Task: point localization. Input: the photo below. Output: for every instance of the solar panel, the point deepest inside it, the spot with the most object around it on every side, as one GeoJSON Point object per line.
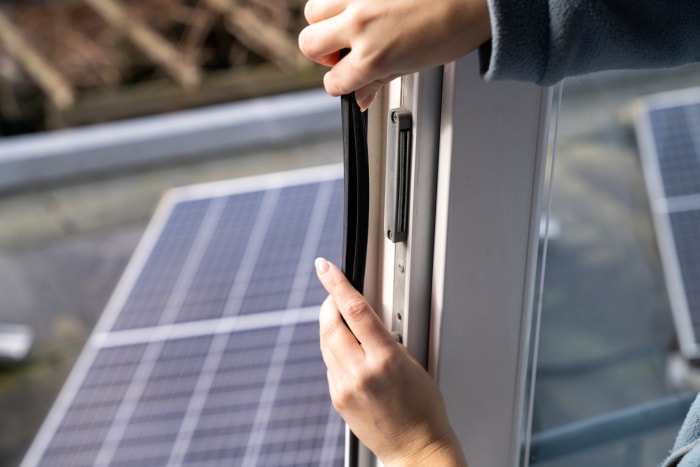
{"type": "Point", "coordinates": [208, 353]}
{"type": "Point", "coordinates": [668, 129]}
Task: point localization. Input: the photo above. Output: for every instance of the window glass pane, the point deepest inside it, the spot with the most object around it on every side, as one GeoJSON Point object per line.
{"type": "Point", "coordinates": [607, 334]}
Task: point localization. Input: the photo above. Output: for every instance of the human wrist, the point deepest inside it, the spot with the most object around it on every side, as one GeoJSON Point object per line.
{"type": "Point", "coordinates": [446, 455]}
{"type": "Point", "coordinates": [470, 23]}
{"type": "Point", "coordinates": [444, 452]}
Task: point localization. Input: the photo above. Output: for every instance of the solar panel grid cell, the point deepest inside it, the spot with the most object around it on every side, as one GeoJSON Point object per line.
{"type": "Point", "coordinates": [686, 233]}
{"type": "Point", "coordinates": [209, 292]}
{"type": "Point", "coordinates": [153, 427]}
{"type": "Point", "coordinates": [79, 437]}
{"type": "Point", "coordinates": [227, 407]}
{"type": "Point", "coordinates": [678, 159]}
{"type": "Point", "coordinates": [297, 419]}
{"type": "Point", "coordinates": [274, 272]}
{"type": "Point", "coordinates": [184, 377]}
{"type": "Point", "coordinates": [328, 244]}
{"type": "Point", "coordinates": [158, 276]}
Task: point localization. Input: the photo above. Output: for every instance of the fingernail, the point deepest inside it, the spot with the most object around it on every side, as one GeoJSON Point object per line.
{"type": "Point", "coordinates": [321, 265]}
{"type": "Point", "coordinates": [327, 83]}
{"type": "Point", "coordinates": [365, 101]}
{"type": "Point", "coordinates": [308, 9]}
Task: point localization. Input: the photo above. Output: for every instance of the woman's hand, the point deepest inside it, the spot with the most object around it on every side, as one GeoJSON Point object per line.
{"type": "Point", "coordinates": [389, 401]}
{"type": "Point", "coordinates": [388, 38]}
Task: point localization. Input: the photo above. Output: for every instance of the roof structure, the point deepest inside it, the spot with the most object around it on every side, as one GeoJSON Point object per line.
{"type": "Point", "coordinates": [82, 61]}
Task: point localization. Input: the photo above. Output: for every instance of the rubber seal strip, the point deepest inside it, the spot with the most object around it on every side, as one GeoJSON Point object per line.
{"type": "Point", "coordinates": [356, 215]}
{"type": "Point", "coordinates": [356, 209]}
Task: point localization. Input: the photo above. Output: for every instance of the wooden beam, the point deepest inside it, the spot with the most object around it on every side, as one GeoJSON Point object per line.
{"type": "Point", "coordinates": [57, 89]}
{"type": "Point", "coordinates": [260, 36]}
{"type": "Point", "coordinates": [150, 42]}
{"type": "Point", "coordinates": [158, 96]}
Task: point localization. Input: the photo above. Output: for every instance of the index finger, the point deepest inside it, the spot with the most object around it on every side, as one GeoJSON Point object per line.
{"type": "Point", "coordinates": [358, 314]}
{"type": "Point", "coordinates": [318, 10]}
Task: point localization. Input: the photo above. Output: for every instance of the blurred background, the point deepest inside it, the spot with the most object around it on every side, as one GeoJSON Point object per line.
{"type": "Point", "coordinates": [84, 83]}
{"type": "Point", "coordinates": [68, 63]}
{"type": "Point", "coordinates": [94, 102]}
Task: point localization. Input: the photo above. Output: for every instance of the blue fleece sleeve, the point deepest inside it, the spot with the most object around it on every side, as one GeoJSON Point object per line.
{"type": "Point", "coordinates": [544, 41]}
{"type": "Point", "coordinates": [686, 451]}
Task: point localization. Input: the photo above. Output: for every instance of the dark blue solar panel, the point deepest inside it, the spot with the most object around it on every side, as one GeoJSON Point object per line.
{"type": "Point", "coordinates": [328, 246]}
{"type": "Point", "coordinates": [212, 284]}
{"type": "Point", "coordinates": [686, 234]}
{"type": "Point", "coordinates": [157, 279]}
{"type": "Point", "coordinates": [226, 424]}
{"type": "Point", "coordinates": [675, 152]}
{"type": "Point", "coordinates": [299, 414]}
{"type": "Point", "coordinates": [81, 433]}
{"type": "Point", "coordinates": [187, 391]}
{"type": "Point", "coordinates": [277, 264]}
{"type": "Point", "coordinates": [678, 156]}
{"type": "Point", "coordinates": [153, 427]}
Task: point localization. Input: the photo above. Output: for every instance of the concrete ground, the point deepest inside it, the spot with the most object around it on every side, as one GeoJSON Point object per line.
{"type": "Point", "coordinates": [606, 326]}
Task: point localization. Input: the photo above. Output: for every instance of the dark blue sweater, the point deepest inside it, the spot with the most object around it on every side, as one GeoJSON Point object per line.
{"type": "Point", "coordinates": [544, 41]}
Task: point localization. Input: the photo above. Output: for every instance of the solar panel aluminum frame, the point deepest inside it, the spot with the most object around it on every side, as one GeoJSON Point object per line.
{"type": "Point", "coordinates": [138, 260]}
{"type": "Point", "coordinates": [661, 207]}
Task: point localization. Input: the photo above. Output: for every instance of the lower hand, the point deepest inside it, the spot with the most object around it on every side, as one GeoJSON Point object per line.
{"type": "Point", "coordinates": [389, 401]}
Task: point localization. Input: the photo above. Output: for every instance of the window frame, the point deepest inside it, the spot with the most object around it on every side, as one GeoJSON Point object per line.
{"type": "Point", "coordinates": [474, 227]}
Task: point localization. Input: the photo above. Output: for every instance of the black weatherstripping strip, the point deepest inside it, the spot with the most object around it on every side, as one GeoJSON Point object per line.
{"type": "Point", "coordinates": [356, 219]}
{"type": "Point", "coordinates": [356, 215]}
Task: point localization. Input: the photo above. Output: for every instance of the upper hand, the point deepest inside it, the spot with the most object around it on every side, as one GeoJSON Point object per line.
{"type": "Point", "coordinates": [389, 401]}
{"type": "Point", "coordinates": [388, 38]}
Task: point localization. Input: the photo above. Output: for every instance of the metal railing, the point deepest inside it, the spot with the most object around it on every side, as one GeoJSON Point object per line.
{"type": "Point", "coordinates": [620, 426]}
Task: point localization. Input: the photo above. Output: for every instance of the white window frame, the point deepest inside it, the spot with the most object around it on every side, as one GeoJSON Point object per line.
{"type": "Point", "coordinates": [473, 241]}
